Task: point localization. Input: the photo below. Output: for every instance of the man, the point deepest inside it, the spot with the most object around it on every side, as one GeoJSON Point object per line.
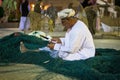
{"type": "Point", "coordinates": [78, 42]}
{"type": "Point", "coordinates": [24, 20]}
{"type": "Point", "coordinates": [76, 45]}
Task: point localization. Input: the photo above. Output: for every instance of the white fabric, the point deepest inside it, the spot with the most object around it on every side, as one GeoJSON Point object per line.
{"type": "Point", "coordinates": [77, 44]}
{"type": "Point", "coordinates": [100, 2]}
{"type": "Point", "coordinates": [106, 28]}
{"type": "Point", "coordinates": [39, 34]}
{"type": "Point", "coordinates": [66, 13]}
{"type": "Point", "coordinates": [24, 23]}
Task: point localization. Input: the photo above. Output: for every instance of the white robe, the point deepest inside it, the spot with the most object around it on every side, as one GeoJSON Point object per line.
{"type": "Point", "coordinates": [77, 45]}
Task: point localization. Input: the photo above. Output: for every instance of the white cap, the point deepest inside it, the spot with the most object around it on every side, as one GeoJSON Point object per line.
{"type": "Point", "coordinates": [66, 13]}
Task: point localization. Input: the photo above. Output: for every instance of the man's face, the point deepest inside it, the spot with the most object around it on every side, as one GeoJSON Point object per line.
{"type": "Point", "coordinates": [66, 24]}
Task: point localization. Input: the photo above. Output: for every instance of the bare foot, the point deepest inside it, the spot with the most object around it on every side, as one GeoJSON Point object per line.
{"type": "Point", "coordinates": [23, 49]}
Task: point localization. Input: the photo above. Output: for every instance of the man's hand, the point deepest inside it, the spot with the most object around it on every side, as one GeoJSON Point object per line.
{"type": "Point", "coordinates": [53, 42]}
{"type": "Point", "coordinates": [57, 40]}
{"type": "Point", "coordinates": [51, 45]}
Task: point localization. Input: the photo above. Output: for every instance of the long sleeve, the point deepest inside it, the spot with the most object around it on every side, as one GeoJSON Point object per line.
{"type": "Point", "coordinates": [77, 44]}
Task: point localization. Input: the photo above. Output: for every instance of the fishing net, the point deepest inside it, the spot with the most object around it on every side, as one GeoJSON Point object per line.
{"type": "Point", "coordinates": [104, 66]}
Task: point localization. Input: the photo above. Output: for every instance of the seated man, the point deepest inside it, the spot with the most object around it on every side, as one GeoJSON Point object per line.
{"type": "Point", "coordinates": [78, 42]}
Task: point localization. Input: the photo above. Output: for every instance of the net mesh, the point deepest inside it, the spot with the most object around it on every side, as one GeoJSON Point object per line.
{"type": "Point", "coordinates": [104, 66]}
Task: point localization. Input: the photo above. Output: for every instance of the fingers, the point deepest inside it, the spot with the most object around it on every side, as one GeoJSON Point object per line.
{"type": "Point", "coordinates": [56, 40]}
{"type": "Point", "coordinates": [51, 45]}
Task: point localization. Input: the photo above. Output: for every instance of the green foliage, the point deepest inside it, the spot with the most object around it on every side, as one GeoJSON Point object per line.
{"type": "Point", "coordinates": [9, 7]}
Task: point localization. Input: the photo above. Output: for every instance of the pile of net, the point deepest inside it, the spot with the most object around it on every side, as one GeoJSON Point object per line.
{"type": "Point", "coordinates": [104, 66]}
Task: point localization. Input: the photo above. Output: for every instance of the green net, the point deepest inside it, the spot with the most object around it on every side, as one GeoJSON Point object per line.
{"type": "Point", "coordinates": [104, 66]}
